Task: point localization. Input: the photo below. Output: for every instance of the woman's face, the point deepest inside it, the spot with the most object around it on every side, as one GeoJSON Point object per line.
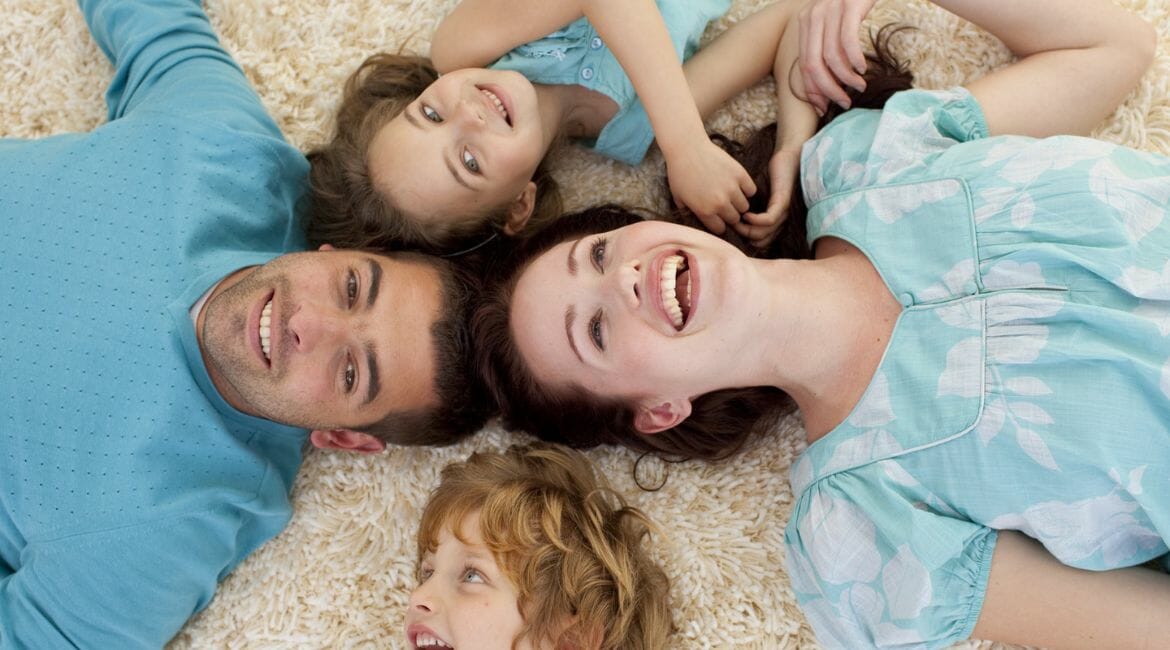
{"type": "Point", "coordinates": [645, 314]}
{"type": "Point", "coordinates": [468, 145]}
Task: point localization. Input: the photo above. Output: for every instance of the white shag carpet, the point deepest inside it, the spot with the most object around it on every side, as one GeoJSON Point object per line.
{"type": "Point", "coordinates": [339, 576]}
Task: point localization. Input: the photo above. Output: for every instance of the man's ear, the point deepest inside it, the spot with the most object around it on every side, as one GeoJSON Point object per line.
{"type": "Point", "coordinates": [363, 443]}
{"type": "Point", "coordinates": [660, 416]}
{"type": "Point", "coordinates": [520, 210]}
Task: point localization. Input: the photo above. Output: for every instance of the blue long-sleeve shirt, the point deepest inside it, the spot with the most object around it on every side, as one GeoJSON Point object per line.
{"type": "Point", "coordinates": [128, 487]}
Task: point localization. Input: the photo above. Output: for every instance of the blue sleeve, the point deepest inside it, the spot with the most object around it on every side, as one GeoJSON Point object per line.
{"type": "Point", "coordinates": [872, 569]}
{"type": "Point", "coordinates": [899, 143]}
{"type": "Point", "coordinates": [167, 58]}
{"type": "Point", "coordinates": [128, 588]}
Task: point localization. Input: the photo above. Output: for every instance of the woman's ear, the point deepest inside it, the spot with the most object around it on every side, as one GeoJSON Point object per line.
{"type": "Point", "coordinates": [660, 416]}
{"type": "Point", "coordinates": [520, 210]}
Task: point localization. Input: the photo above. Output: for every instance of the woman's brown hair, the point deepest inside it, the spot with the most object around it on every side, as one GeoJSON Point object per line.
{"type": "Point", "coordinates": [565, 539]}
{"type": "Point", "coordinates": [347, 210]}
{"type": "Point", "coordinates": [720, 421]}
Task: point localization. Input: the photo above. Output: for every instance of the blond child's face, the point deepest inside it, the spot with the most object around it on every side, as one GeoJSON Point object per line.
{"type": "Point", "coordinates": [463, 600]}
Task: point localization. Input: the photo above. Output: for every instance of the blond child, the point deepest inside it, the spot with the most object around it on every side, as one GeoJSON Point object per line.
{"type": "Point", "coordinates": [530, 548]}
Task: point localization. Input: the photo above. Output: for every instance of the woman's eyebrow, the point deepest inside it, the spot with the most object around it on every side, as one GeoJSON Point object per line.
{"type": "Point", "coordinates": [572, 261]}
{"type": "Point", "coordinates": [570, 315]}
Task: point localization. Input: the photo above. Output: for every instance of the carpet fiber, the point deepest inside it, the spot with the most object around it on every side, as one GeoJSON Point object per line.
{"type": "Point", "coordinates": [339, 576]}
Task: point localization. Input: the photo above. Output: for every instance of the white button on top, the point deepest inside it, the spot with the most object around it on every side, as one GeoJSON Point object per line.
{"type": "Point", "coordinates": [595, 43]}
{"type": "Point", "coordinates": [587, 74]}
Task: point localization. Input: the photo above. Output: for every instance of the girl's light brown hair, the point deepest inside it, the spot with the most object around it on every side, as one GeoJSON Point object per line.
{"type": "Point", "coordinates": [565, 539]}
{"type": "Point", "coordinates": [348, 211]}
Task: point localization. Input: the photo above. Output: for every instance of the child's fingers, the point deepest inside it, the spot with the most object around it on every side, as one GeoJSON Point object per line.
{"type": "Point", "coordinates": [740, 204]}
{"type": "Point", "coordinates": [759, 236]}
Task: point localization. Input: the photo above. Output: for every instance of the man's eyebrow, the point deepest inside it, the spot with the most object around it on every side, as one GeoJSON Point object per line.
{"type": "Point", "coordinates": [375, 283]}
{"type": "Point", "coordinates": [571, 314]}
{"type": "Point", "coordinates": [572, 262]}
{"type": "Point", "coordinates": [375, 381]}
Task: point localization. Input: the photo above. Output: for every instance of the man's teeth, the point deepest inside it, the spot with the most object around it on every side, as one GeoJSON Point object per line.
{"type": "Point", "coordinates": [496, 100]}
{"type": "Point", "coordinates": [266, 330]}
{"type": "Point", "coordinates": [670, 303]}
{"type": "Point", "coordinates": [425, 640]}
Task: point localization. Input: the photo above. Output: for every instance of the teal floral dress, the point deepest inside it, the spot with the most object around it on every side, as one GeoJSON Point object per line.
{"type": "Point", "coordinates": [1026, 385]}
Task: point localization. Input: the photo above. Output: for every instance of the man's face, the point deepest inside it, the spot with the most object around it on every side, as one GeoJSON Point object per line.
{"type": "Point", "coordinates": [325, 339]}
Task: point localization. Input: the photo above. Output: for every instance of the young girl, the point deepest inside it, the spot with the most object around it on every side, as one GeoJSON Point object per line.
{"type": "Point", "coordinates": [530, 548]}
{"type": "Point", "coordinates": [444, 163]}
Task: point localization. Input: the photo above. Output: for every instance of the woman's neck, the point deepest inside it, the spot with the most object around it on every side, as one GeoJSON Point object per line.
{"type": "Point", "coordinates": [573, 111]}
{"type": "Point", "coordinates": [832, 318]}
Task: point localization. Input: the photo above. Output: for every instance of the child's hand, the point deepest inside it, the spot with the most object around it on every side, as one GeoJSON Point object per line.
{"type": "Point", "coordinates": [760, 228]}
{"type": "Point", "coordinates": [709, 182]}
{"type": "Point", "coordinates": [830, 50]}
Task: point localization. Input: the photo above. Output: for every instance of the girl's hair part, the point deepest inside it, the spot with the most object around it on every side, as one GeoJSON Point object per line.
{"type": "Point", "coordinates": [570, 544]}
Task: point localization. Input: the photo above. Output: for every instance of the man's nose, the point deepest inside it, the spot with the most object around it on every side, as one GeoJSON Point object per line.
{"type": "Point", "coordinates": [312, 326]}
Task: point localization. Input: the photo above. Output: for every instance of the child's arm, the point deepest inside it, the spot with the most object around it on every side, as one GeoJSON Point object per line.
{"type": "Point", "coordinates": [1033, 599]}
{"type": "Point", "coordinates": [767, 42]}
{"type": "Point", "coordinates": [1078, 59]}
{"type": "Point", "coordinates": [702, 176]}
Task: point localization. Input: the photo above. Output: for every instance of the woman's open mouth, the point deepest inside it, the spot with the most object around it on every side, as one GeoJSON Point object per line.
{"type": "Point", "coordinates": [675, 289]}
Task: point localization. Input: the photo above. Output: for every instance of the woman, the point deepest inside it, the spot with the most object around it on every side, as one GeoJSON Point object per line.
{"type": "Point", "coordinates": [980, 314]}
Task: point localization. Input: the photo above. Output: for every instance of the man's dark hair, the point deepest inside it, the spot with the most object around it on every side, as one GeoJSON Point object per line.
{"type": "Point", "coordinates": [463, 402]}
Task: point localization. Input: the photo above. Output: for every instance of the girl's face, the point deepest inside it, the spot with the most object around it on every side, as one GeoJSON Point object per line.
{"type": "Point", "coordinates": [646, 314]}
{"type": "Point", "coordinates": [467, 146]}
{"type": "Point", "coordinates": [463, 600]}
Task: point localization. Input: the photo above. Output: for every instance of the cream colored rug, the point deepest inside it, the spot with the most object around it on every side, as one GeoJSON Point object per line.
{"type": "Point", "coordinates": [339, 576]}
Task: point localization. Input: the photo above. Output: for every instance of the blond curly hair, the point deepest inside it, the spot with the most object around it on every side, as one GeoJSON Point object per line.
{"type": "Point", "coordinates": [570, 544]}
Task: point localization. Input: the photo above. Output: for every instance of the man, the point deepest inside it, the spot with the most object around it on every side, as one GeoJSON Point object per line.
{"type": "Point", "coordinates": [153, 332]}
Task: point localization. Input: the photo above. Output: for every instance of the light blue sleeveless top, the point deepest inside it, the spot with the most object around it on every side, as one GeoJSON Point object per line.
{"type": "Point", "coordinates": [577, 55]}
{"type": "Point", "coordinates": [1026, 385]}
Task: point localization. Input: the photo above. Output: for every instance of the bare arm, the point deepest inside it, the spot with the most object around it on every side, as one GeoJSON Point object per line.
{"type": "Point", "coordinates": [478, 32]}
{"type": "Point", "coordinates": [1078, 59]}
{"type": "Point", "coordinates": [765, 42]}
{"type": "Point", "coordinates": [1035, 600]}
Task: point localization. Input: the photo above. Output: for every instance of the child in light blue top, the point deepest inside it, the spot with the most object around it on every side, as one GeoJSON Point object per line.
{"type": "Point", "coordinates": [441, 163]}
{"type": "Point", "coordinates": [578, 55]}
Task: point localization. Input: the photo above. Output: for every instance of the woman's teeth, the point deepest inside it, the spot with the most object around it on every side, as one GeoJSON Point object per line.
{"type": "Point", "coordinates": [266, 330]}
{"type": "Point", "coordinates": [671, 267]}
{"type": "Point", "coordinates": [495, 100]}
{"type": "Point", "coordinates": [425, 640]}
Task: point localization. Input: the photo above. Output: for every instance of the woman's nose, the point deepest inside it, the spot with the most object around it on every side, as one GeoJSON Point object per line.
{"type": "Point", "coordinates": [628, 283]}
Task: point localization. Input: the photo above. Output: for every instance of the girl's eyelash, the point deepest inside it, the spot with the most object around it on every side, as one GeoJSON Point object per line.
{"type": "Point", "coordinates": [470, 162]}
{"type": "Point", "coordinates": [597, 253]}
